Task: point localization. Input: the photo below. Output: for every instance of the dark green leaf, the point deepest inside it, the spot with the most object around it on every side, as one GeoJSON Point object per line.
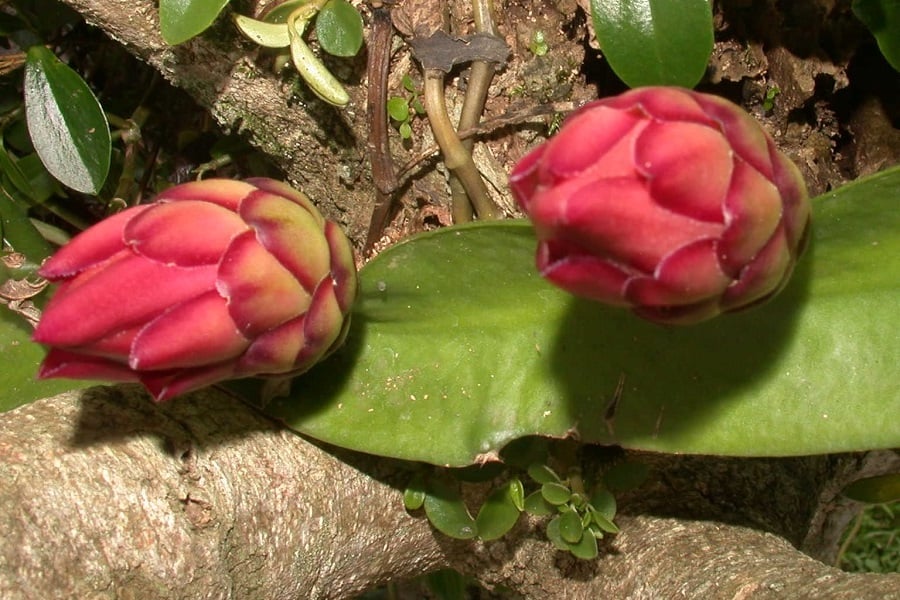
{"type": "Point", "coordinates": [875, 490]}
{"type": "Point", "coordinates": [180, 20]}
{"type": "Point", "coordinates": [458, 346]}
{"type": "Point", "coordinates": [655, 42]}
{"type": "Point", "coordinates": [339, 28]}
{"type": "Point", "coordinates": [447, 512]}
{"type": "Point", "coordinates": [11, 169]}
{"type": "Point", "coordinates": [882, 17]}
{"type": "Point", "coordinates": [66, 123]}
{"type": "Point", "coordinates": [498, 514]}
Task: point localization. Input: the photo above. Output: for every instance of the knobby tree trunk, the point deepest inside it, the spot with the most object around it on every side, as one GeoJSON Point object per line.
{"type": "Point", "coordinates": [104, 494]}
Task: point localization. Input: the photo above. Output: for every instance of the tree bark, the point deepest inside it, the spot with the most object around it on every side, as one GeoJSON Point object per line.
{"type": "Point", "coordinates": [104, 494]}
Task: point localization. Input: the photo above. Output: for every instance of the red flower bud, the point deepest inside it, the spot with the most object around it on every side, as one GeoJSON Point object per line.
{"type": "Point", "coordinates": [214, 280]}
{"type": "Point", "coordinates": [671, 202]}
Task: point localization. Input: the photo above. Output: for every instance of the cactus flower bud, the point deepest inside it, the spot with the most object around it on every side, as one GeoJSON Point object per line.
{"type": "Point", "coordinates": [671, 202]}
{"type": "Point", "coordinates": [214, 280]}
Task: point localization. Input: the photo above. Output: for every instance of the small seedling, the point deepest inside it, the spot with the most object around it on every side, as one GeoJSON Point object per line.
{"type": "Point", "coordinates": [401, 109]}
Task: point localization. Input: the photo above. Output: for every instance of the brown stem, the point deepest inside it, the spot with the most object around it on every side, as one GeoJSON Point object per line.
{"type": "Point", "coordinates": [383, 173]}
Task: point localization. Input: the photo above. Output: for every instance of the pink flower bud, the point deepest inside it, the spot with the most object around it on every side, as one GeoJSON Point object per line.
{"type": "Point", "coordinates": [671, 202]}
{"type": "Point", "coordinates": [214, 280]}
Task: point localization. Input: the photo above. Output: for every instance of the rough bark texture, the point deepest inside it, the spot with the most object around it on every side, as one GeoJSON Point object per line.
{"type": "Point", "coordinates": [104, 494]}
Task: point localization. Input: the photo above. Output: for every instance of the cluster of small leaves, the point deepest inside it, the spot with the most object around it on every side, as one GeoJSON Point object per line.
{"type": "Point", "coordinates": [448, 513]}
{"type": "Point", "coordinates": [769, 99]}
{"type": "Point", "coordinates": [577, 518]}
{"type": "Point", "coordinates": [401, 109]}
{"type": "Point", "coordinates": [338, 25]}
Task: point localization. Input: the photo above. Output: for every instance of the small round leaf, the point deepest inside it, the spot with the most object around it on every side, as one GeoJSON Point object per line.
{"type": "Point", "coordinates": [570, 527]}
{"type": "Point", "coordinates": [447, 512]}
{"type": "Point", "coordinates": [339, 28]}
{"type": "Point", "coordinates": [537, 506]}
{"type": "Point", "coordinates": [604, 503]}
{"type": "Point", "coordinates": [586, 549]}
{"type": "Point", "coordinates": [556, 493]}
{"type": "Point", "coordinates": [542, 473]}
{"type": "Point", "coordinates": [498, 514]}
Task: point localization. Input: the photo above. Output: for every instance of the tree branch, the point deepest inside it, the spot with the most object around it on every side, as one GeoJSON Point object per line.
{"type": "Point", "coordinates": [105, 492]}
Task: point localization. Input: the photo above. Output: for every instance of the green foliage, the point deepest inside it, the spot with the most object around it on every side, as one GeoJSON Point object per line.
{"type": "Point", "coordinates": [458, 346]}
{"type": "Point", "coordinates": [575, 514]}
{"type": "Point", "coordinates": [66, 123]}
{"type": "Point", "coordinates": [655, 42]}
{"type": "Point", "coordinates": [401, 109]}
{"type": "Point", "coordinates": [180, 20]}
{"type": "Point", "coordinates": [872, 543]}
{"type": "Point", "coordinates": [339, 28]}
{"type": "Point", "coordinates": [882, 17]}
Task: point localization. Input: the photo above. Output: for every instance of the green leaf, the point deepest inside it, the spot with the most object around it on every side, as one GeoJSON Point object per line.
{"type": "Point", "coordinates": [537, 506]}
{"type": "Point", "coordinates": [570, 527]}
{"type": "Point", "coordinates": [398, 108]}
{"type": "Point", "coordinates": [66, 123]}
{"type": "Point", "coordinates": [556, 493]}
{"type": "Point", "coordinates": [339, 28]}
{"type": "Point", "coordinates": [655, 42]}
{"type": "Point", "coordinates": [447, 512]}
{"type": "Point", "coordinates": [414, 494]}
{"type": "Point", "coordinates": [21, 358]}
{"type": "Point", "coordinates": [586, 548]}
{"type": "Point", "coordinates": [541, 473]}
{"type": "Point", "coordinates": [20, 233]}
{"type": "Point", "coordinates": [12, 170]}
{"type": "Point", "coordinates": [875, 490]}
{"type": "Point", "coordinates": [604, 503]}
{"type": "Point", "coordinates": [882, 17]}
{"type": "Point", "coordinates": [498, 514]}
{"type": "Point", "coordinates": [270, 35]}
{"type": "Point", "coordinates": [180, 20]}
{"type": "Point", "coordinates": [458, 346]}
